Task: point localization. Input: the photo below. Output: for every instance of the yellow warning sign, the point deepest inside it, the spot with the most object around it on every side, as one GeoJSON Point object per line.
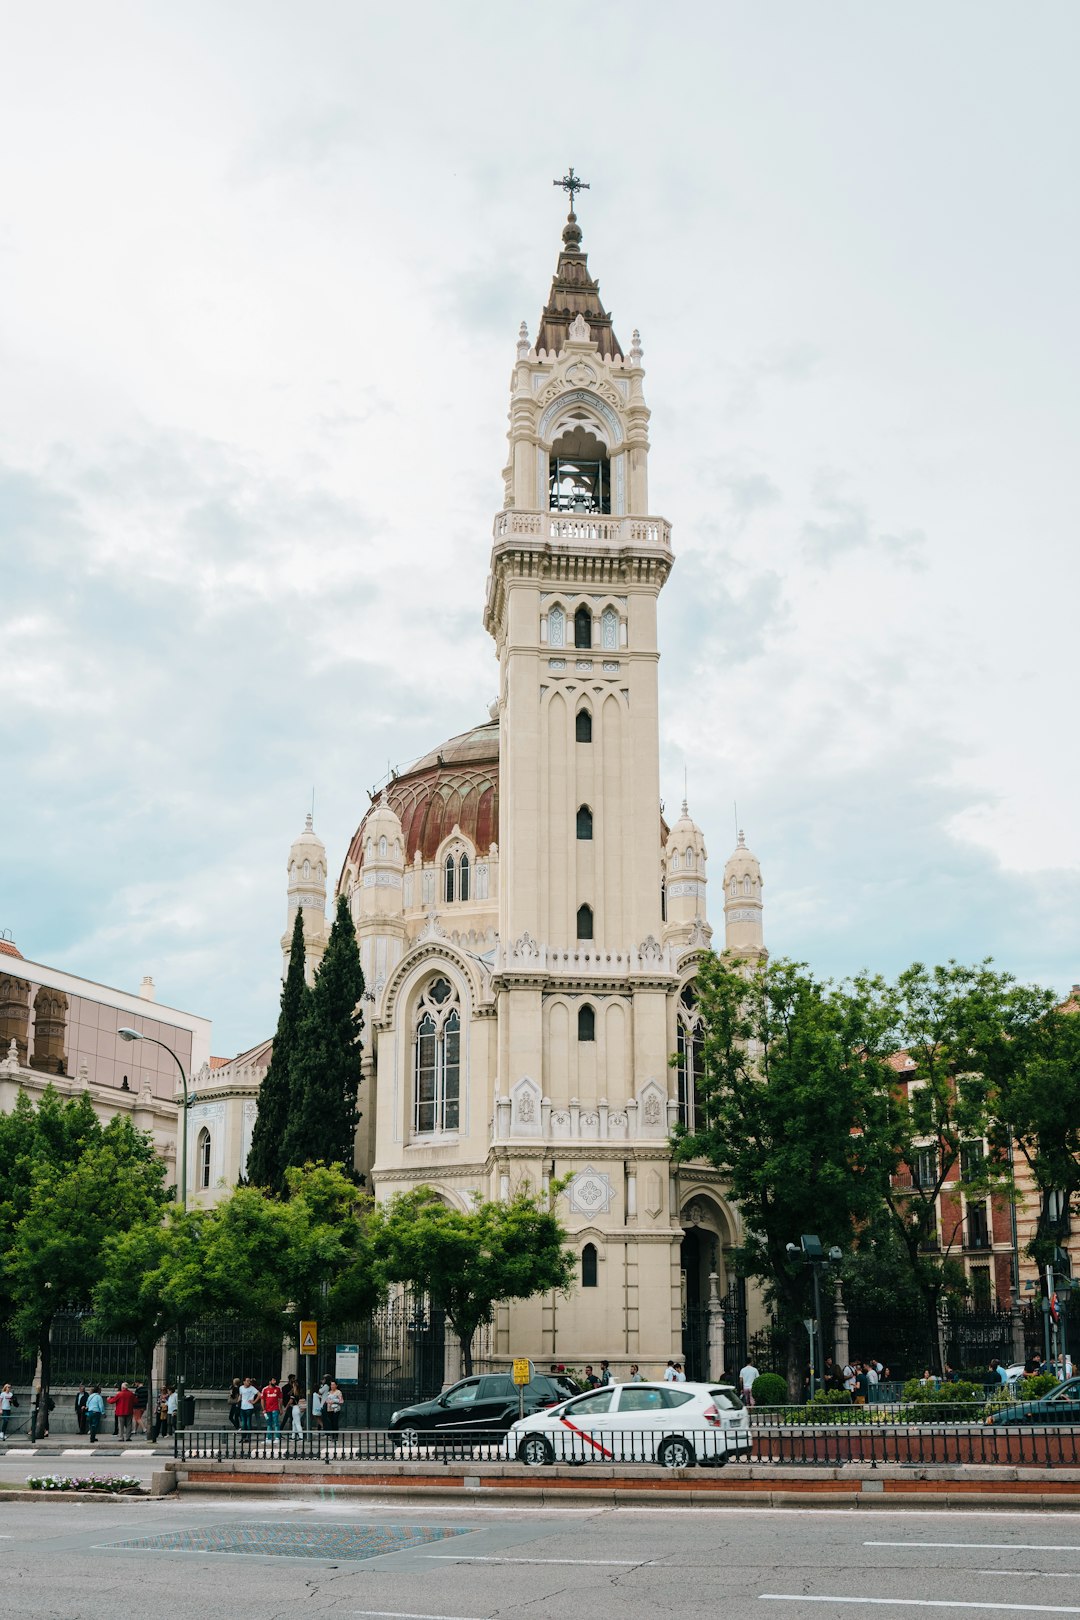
{"type": "Point", "coordinates": [522, 1370]}
{"type": "Point", "coordinates": [309, 1338]}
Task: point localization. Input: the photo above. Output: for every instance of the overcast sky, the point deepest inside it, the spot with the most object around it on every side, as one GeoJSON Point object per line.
{"type": "Point", "coordinates": [261, 271]}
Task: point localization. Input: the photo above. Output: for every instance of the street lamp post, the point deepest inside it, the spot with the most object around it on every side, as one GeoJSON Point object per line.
{"type": "Point", "coordinates": [136, 1035]}
{"type": "Point", "coordinates": [809, 1249]}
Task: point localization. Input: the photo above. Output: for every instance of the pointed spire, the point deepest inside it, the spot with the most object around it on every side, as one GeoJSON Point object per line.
{"type": "Point", "coordinates": [574, 292]}
{"type": "Point", "coordinates": [742, 839]}
{"type": "Point", "coordinates": [309, 825]}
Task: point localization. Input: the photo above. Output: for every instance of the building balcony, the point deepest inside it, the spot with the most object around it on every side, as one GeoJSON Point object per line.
{"type": "Point", "coordinates": [585, 528]}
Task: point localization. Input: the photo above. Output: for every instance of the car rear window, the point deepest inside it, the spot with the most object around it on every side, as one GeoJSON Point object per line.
{"type": "Point", "coordinates": [676, 1397]}
{"type": "Point", "coordinates": [726, 1400]}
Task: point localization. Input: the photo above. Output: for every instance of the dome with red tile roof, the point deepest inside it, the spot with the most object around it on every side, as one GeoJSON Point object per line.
{"type": "Point", "coordinates": [455, 785]}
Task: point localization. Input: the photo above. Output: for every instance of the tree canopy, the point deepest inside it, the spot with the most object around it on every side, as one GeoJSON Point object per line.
{"type": "Point", "coordinates": [468, 1261]}
{"type": "Point", "coordinates": [266, 1160]}
{"type": "Point", "coordinates": [324, 1068]}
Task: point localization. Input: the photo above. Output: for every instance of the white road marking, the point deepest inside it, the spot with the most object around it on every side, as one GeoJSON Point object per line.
{"type": "Point", "coordinates": [20, 1451]}
{"type": "Point", "coordinates": [1036, 1574]}
{"type": "Point", "coordinates": [77, 1452]}
{"type": "Point", "coordinates": [986, 1546]}
{"type": "Point", "coordinates": [400, 1614]}
{"type": "Point", "coordinates": [919, 1603]}
{"type": "Point", "coordinates": [469, 1558]}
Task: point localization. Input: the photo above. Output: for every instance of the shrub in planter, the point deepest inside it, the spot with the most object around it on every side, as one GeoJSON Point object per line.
{"type": "Point", "coordinates": [769, 1389]}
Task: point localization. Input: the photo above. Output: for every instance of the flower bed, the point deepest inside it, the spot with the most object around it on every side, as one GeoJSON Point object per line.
{"type": "Point", "coordinates": [103, 1484]}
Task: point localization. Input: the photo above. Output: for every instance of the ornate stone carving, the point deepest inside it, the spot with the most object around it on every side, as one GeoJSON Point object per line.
{"type": "Point", "coordinates": [650, 949]}
{"type": "Point", "coordinates": [652, 1112]}
{"type": "Point", "coordinates": [526, 947]}
{"type": "Point", "coordinates": [590, 1192]}
{"type": "Point", "coordinates": [579, 329]}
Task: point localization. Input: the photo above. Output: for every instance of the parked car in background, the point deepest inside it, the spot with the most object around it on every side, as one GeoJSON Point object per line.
{"type": "Point", "coordinates": [480, 1407]}
{"type": "Point", "coordinates": [675, 1425]}
{"type": "Point", "coordinates": [1061, 1405]}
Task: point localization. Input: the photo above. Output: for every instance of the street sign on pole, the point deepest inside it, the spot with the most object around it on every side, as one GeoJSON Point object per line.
{"type": "Point", "coordinates": [309, 1338]}
{"type": "Point", "coordinates": [347, 1363]}
{"type": "Point", "coordinates": [522, 1370]}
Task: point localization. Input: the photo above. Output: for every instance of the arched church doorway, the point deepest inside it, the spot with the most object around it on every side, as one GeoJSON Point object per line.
{"type": "Point", "coordinates": [706, 1249]}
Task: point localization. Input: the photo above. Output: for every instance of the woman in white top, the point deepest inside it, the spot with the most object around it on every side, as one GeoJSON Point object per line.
{"type": "Point", "coordinates": [7, 1401]}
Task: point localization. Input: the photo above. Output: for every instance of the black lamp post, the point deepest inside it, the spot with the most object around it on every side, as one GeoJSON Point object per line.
{"type": "Point", "coordinates": [810, 1251]}
{"type": "Point", "coordinates": [181, 1348]}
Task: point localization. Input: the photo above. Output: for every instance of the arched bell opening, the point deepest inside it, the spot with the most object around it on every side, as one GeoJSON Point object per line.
{"type": "Point", "coordinates": [579, 472]}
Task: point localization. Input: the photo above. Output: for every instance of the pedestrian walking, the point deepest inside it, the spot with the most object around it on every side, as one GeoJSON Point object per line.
{"type": "Point", "coordinates": [747, 1375]}
{"type": "Point", "coordinates": [669, 1373]}
{"type": "Point", "coordinates": [172, 1408]}
{"type": "Point", "coordinates": [8, 1400]}
{"type": "Point", "coordinates": [161, 1413]}
{"type": "Point", "coordinates": [234, 1403]}
{"type": "Point", "coordinates": [605, 1373]}
{"type": "Point", "coordinates": [299, 1407]}
{"type": "Point", "coordinates": [142, 1401]}
{"type": "Point", "coordinates": [635, 1374]}
{"type": "Point", "coordinates": [316, 1407]}
{"type": "Point", "coordinates": [591, 1380]}
{"type": "Point", "coordinates": [249, 1398]}
{"type": "Point", "coordinates": [82, 1395]}
{"type": "Point", "coordinates": [95, 1411]}
{"type": "Point", "coordinates": [123, 1405]}
{"type": "Point", "coordinates": [270, 1399]}
{"type": "Point", "coordinates": [680, 1376]}
{"type": "Point", "coordinates": [333, 1401]}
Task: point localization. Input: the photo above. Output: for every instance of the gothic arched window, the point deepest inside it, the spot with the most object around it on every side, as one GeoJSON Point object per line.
{"type": "Point", "coordinates": [556, 627]}
{"type": "Point", "coordinates": [689, 860]}
{"type": "Point", "coordinates": [746, 885]}
{"type": "Point", "coordinates": [583, 726]}
{"type": "Point", "coordinates": [609, 630]}
{"type": "Point", "coordinates": [202, 1158]}
{"type": "Point", "coordinates": [588, 1266]}
{"type": "Point", "coordinates": [734, 887]}
{"type": "Point", "coordinates": [463, 878]}
{"type": "Point", "coordinates": [582, 628]}
{"type": "Point", "coordinates": [437, 1060]}
{"type": "Point", "coordinates": [688, 1061]}
{"type": "Point", "coordinates": [586, 1023]}
{"type": "Point", "coordinates": [584, 922]}
{"type": "Point", "coordinates": [383, 847]}
{"type": "Point", "coordinates": [448, 880]}
{"type": "Point", "coordinates": [676, 860]}
{"type": "Point", "coordinates": [584, 821]}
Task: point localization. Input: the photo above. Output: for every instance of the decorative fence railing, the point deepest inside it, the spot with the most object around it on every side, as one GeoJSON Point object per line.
{"type": "Point", "coordinates": [871, 1445]}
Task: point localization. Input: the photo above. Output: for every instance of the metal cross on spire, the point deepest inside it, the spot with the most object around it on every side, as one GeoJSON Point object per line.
{"type": "Point", "coordinates": [572, 185]}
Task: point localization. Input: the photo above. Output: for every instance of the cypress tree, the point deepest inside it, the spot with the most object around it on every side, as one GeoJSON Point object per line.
{"type": "Point", "coordinates": [324, 1072]}
{"type": "Point", "coordinates": [266, 1159]}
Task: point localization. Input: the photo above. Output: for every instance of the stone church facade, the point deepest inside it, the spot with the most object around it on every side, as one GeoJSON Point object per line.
{"type": "Point", "coordinates": [529, 925]}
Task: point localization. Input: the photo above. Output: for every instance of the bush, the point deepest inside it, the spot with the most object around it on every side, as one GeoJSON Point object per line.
{"type": "Point", "coordinates": [109, 1483]}
{"type": "Point", "coordinates": [769, 1389]}
{"type": "Point", "coordinates": [1035, 1386]}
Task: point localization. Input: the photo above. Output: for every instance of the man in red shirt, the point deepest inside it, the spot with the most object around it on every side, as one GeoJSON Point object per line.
{"type": "Point", "coordinates": [124, 1404]}
{"type": "Point", "coordinates": [271, 1405]}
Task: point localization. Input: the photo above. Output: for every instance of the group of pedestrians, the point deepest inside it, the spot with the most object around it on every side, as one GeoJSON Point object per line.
{"type": "Point", "coordinates": [284, 1407]}
{"type": "Point", "coordinates": [130, 1408]}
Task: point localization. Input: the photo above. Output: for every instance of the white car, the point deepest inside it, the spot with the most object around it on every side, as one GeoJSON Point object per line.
{"type": "Point", "coordinates": [676, 1425]}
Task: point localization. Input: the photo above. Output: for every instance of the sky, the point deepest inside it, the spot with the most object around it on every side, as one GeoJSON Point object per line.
{"type": "Point", "coordinates": [261, 273]}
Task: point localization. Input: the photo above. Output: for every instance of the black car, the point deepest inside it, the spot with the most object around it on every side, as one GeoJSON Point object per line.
{"type": "Point", "coordinates": [483, 1406]}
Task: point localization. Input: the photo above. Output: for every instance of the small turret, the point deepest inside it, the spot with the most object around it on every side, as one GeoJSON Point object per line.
{"type": "Point", "coordinates": [379, 889]}
{"type": "Point", "coordinates": [744, 934]}
{"type": "Point", "coordinates": [307, 888]}
{"type": "Point", "coordinates": [685, 858]}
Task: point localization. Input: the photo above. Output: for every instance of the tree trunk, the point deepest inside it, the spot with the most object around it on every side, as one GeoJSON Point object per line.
{"type": "Point", "coordinates": [466, 1353]}
{"type": "Point", "coordinates": [45, 1352]}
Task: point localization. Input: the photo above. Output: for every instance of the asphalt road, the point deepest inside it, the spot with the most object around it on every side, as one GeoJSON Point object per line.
{"type": "Point", "coordinates": [290, 1559]}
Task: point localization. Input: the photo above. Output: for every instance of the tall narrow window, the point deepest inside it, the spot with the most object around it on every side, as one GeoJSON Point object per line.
{"type": "Point", "coordinates": [202, 1157]}
{"type": "Point", "coordinates": [582, 628]}
{"type": "Point", "coordinates": [584, 822]}
{"type": "Point", "coordinates": [437, 1061]}
{"type": "Point", "coordinates": [583, 726]}
{"type": "Point", "coordinates": [586, 1024]}
{"type": "Point", "coordinates": [688, 1062]}
{"type": "Point", "coordinates": [588, 1266]}
{"type": "Point", "coordinates": [609, 630]}
{"type": "Point", "coordinates": [463, 878]}
{"type": "Point", "coordinates": [556, 627]}
{"type": "Point", "coordinates": [448, 880]}
{"type": "Point", "coordinates": [584, 922]}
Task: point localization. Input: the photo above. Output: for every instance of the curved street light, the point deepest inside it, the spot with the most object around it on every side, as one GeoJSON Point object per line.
{"type": "Point", "coordinates": [137, 1035]}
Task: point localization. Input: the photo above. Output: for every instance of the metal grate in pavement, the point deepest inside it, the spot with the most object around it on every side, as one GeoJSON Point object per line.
{"type": "Point", "coordinates": [339, 1541]}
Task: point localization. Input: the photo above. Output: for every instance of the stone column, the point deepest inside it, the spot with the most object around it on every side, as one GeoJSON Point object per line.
{"type": "Point", "coordinates": [716, 1328]}
{"type": "Point", "coordinates": [841, 1348]}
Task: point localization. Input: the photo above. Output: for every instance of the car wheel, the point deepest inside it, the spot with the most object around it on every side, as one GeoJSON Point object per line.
{"type": "Point", "coordinates": [535, 1452]}
{"type": "Point", "coordinates": [676, 1452]}
{"type": "Point", "coordinates": [407, 1439]}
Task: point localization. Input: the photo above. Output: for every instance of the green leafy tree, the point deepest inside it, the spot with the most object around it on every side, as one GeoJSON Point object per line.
{"type": "Point", "coordinates": [324, 1070]}
{"type": "Point", "coordinates": [150, 1281]}
{"type": "Point", "coordinates": [792, 1107]}
{"type": "Point", "coordinates": [469, 1261]}
{"type": "Point", "coordinates": [961, 1027]}
{"type": "Point", "coordinates": [85, 1183]}
{"type": "Point", "coordinates": [266, 1160]}
{"type": "Point", "coordinates": [1034, 1103]}
{"type": "Point", "coordinates": [310, 1255]}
